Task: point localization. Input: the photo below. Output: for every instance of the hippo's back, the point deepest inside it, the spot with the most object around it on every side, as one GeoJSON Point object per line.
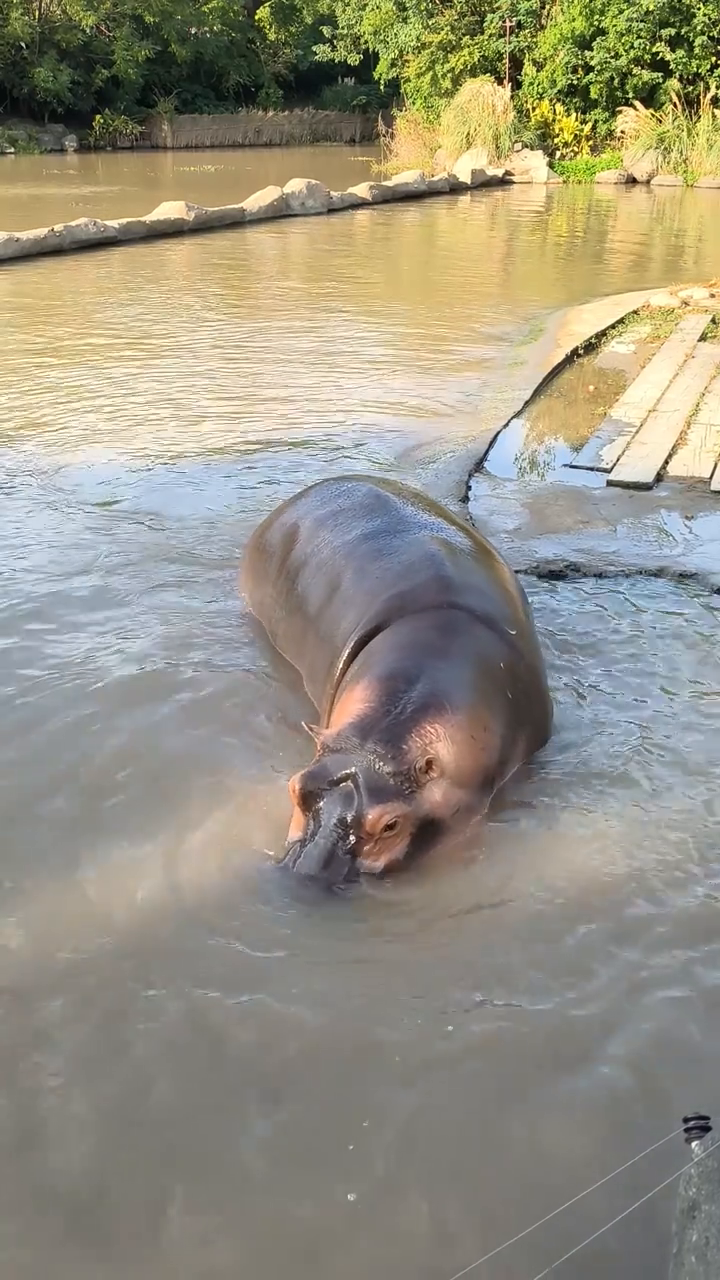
{"type": "Point", "coordinates": [345, 557]}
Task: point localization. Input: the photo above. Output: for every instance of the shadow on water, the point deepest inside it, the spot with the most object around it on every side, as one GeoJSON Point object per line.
{"type": "Point", "coordinates": [203, 1067]}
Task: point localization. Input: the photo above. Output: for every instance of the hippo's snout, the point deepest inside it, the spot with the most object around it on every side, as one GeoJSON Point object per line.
{"type": "Point", "coordinates": [329, 848]}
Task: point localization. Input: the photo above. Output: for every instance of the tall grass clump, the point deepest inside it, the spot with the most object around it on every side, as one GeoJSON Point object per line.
{"type": "Point", "coordinates": [411, 143]}
{"type": "Point", "coordinates": [481, 114]}
{"type": "Point", "coordinates": [684, 141]}
{"type": "Point", "coordinates": [110, 129]}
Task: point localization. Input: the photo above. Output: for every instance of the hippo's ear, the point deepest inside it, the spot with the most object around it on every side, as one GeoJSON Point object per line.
{"type": "Point", "coordinates": [316, 733]}
{"type": "Point", "coordinates": [427, 768]}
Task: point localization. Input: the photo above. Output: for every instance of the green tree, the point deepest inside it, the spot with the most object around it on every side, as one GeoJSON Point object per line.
{"type": "Point", "coordinates": [598, 55]}
{"type": "Point", "coordinates": [84, 55]}
{"type": "Point", "coordinates": [428, 48]}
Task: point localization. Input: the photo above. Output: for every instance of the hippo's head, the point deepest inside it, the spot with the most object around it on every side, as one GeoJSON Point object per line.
{"type": "Point", "coordinates": [353, 812]}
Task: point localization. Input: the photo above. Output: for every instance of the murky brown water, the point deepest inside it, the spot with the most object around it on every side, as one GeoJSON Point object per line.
{"type": "Point", "coordinates": [36, 191]}
{"type": "Point", "coordinates": [205, 1072]}
{"type": "Point", "coordinates": [539, 443]}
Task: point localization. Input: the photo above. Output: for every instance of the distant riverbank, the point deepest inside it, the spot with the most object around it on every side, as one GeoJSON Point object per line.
{"type": "Point", "coordinates": [167, 132]}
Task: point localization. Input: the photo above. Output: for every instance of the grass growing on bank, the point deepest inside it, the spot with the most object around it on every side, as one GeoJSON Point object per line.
{"type": "Point", "coordinates": [411, 143]}
{"type": "Point", "coordinates": [586, 168]}
{"type": "Point", "coordinates": [110, 128]}
{"type": "Point", "coordinates": [22, 143]}
{"type": "Point", "coordinates": [680, 139]}
{"type": "Point", "coordinates": [655, 323]}
{"type": "Point", "coordinates": [481, 114]}
{"type": "Point", "coordinates": [683, 140]}
{"type": "Point", "coordinates": [712, 333]}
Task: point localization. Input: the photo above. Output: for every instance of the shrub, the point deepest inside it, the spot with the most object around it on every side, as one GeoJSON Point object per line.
{"type": "Point", "coordinates": [347, 96]}
{"type": "Point", "coordinates": [109, 128]}
{"type": "Point", "coordinates": [596, 55]}
{"type": "Point", "coordinates": [269, 97]}
{"type": "Point", "coordinates": [562, 133]}
{"type": "Point", "coordinates": [165, 105]}
{"type": "Point", "coordinates": [481, 114]}
{"type": "Point", "coordinates": [586, 168]}
{"type": "Point", "coordinates": [22, 142]}
{"type": "Point", "coordinates": [685, 141]}
{"type": "Point", "coordinates": [411, 143]}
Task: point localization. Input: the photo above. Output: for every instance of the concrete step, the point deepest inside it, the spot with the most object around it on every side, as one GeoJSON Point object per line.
{"type": "Point", "coordinates": [645, 456]}
{"type": "Point", "coordinates": [698, 455]}
{"type": "Point", "coordinates": [615, 432]}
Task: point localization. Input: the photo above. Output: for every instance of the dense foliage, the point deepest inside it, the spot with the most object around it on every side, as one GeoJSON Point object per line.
{"type": "Point", "coordinates": [80, 57]}
{"type": "Point", "coordinates": [598, 55]}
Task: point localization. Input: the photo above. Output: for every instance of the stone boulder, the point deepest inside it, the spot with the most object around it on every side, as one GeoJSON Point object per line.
{"type": "Point", "coordinates": [6, 149]}
{"type": "Point", "coordinates": [709, 183]}
{"type": "Point", "coordinates": [9, 242]}
{"type": "Point", "coordinates": [268, 203]}
{"type": "Point", "coordinates": [306, 196]}
{"type": "Point", "coordinates": [132, 228]}
{"type": "Point", "coordinates": [439, 184]}
{"type": "Point", "coordinates": [545, 176]}
{"type": "Point", "coordinates": [48, 142]}
{"type": "Point", "coordinates": [698, 293]}
{"type": "Point", "coordinates": [643, 168]}
{"type": "Point", "coordinates": [344, 200]}
{"type": "Point", "coordinates": [667, 180]}
{"type": "Point", "coordinates": [527, 165]}
{"type": "Point", "coordinates": [86, 231]}
{"type": "Point", "coordinates": [664, 299]}
{"type": "Point", "coordinates": [472, 167]}
{"type": "Point", "coordinates": [222, 215]}
{"type": "Point", "coordinates": [609, 177]}
{"type": "Point", "coordinates": [50, 137]}
{"type": "Point", "coordinates": [172, 217]}
{"type": "Point", "coordinates": [82, 233]}
{"type": "Point", "coordinates": [371, 192]}
{"type": "Point", "coordinates": [441, 161]}
{"type": "Point", "coordinates": [70, 143]}
{"type": "Point", "coordinates": [405, 185]}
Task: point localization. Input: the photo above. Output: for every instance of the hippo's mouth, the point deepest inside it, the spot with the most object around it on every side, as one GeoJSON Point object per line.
{"type": "Point", "coordinates": [330, 847]}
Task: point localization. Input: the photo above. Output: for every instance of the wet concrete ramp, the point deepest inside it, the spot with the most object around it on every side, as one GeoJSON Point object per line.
{"type": "Point", "coordinates": [667, 422]}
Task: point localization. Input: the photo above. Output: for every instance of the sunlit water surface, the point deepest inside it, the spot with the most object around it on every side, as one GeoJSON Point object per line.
{"type": "Point", "coordinates": [205, 1070]}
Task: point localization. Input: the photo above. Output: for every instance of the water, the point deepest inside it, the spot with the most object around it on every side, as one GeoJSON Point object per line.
{"type": "Point", "coordinates": [205, 1070]}
{"type": "Point", "coordinates": [37, 191]}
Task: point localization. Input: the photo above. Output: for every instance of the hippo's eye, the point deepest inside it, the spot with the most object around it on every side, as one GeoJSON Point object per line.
{"type": "Point", "coordinates": [389, 827]}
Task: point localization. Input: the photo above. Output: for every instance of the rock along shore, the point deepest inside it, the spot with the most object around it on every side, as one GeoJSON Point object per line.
{"type": "Point", "coordinates": [298, 198]}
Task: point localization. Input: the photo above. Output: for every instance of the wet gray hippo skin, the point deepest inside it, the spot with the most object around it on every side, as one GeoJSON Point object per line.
{"type": "Point", "coordinates": [416, 643]}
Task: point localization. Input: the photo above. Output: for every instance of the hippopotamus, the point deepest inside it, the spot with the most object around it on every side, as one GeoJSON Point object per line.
{"type": "Point", "coordinates": [416, 643]}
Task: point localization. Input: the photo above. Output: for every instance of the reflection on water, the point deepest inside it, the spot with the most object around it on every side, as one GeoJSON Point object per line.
{"type": "Point", "coordinates": [539, 444]}
{"type": "Point", "coordinates": [518, 454]}
{"type": "Point", "coordinates": [206, 1070]}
